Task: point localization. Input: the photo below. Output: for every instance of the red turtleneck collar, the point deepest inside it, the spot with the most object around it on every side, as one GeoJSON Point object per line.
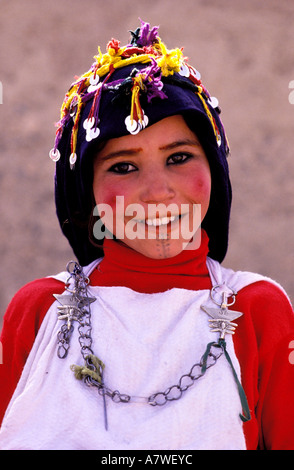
{"type": "Point", "coordinates": [123, 266]}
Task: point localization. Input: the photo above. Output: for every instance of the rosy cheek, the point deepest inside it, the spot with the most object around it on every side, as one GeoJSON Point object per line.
{"type": "Point", "coordinates": [114, 195]}
{"type": "Point", "coordinates": [104, 192]}
{"type": "Point", "coordinates": [199, 186]}
{"type": "Point", "coordinates": [109, 198]}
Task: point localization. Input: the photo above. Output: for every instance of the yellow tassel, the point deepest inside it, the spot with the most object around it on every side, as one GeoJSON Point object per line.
{"type": "Point", "coordinates": [135, 103]}
{"type": "Point", "coordinates": [74, 136]}
{"type": "Point", "coordinates": [83, 371]}
{"type": "Point", "coordinates": [209, 115]}
{"type": "Point", "coordinates": [169, 61]}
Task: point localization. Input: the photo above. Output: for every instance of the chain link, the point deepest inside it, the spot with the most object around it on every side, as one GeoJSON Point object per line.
{"type": "Point", "coordinates": [175, 392]}
{"type": "Point", "coordinates": [78, 290]}
{"type": "Point", "coordinates": [63, 337]}
{"type": "Point", "coordinates": [172, 393]}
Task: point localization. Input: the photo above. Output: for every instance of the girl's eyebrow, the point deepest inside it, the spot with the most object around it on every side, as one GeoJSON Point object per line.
{"type": "Point", "coordinates": [180, 143]}
{"type": "Point", "coordinates": [119, 153]}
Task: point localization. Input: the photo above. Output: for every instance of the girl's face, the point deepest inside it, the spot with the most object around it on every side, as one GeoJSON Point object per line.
{"type": "Point", "coordinates": [152, 189]}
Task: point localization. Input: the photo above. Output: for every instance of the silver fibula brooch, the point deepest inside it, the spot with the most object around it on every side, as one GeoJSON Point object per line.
{"type": "Point", "coordinates": [71, 308]}
{"type": "Point", "coordinates": [222, 318]}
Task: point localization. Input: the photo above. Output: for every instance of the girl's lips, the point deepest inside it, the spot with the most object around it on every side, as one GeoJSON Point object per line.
{"type": "Point", "coordinates": [158, 221]}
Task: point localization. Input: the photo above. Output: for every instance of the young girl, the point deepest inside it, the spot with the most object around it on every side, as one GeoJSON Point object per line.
{"type": "Point", "coordinates": [146, 342]}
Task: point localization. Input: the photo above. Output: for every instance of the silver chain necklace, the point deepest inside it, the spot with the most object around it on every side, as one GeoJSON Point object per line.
{"type": "Point", "coordinates": [75, 306]}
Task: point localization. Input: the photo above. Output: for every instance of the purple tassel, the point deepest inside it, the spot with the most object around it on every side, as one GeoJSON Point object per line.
{"type": "Point", "coordinates": [155, 85]}
{"type": "Point", "coordinates": [147, 37]}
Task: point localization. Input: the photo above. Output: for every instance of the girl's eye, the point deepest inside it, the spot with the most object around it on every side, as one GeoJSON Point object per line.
{"type": "Point", "coordinates": [178, 158]}
{"type": "Point", "coordinates": [122, 168]}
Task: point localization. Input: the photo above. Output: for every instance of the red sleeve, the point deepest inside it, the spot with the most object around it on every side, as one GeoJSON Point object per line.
{"type": "Point", "coordinates": [263, 347]}
{"type": "Point", "coordinates": [21, 323]}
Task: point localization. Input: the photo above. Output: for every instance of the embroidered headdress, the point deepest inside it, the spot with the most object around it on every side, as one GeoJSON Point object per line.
{"type": "Point", "coordinates": [126, 89]}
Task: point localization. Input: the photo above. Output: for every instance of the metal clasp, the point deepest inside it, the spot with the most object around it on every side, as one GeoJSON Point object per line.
{"type": "Point", "coordinates": [227, 292]}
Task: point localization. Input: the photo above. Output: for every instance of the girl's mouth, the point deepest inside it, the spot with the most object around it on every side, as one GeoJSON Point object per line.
{"type": "Point", "coordinates": [159, 221]}
{"type": "Point", "coordinates": [161, 227]}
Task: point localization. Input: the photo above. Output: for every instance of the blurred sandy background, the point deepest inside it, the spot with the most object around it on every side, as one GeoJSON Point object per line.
{"type": "Point", "coordinates": [245, 52]}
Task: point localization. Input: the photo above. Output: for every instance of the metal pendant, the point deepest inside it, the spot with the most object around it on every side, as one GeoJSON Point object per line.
{"type": "Point", "coordinates": [221, 318]}
{"type": "Point", "coordinates": [72, 307]}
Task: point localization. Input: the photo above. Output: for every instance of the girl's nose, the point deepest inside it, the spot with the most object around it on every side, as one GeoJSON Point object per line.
{"type": "Point", "coordinates": [156, 187]}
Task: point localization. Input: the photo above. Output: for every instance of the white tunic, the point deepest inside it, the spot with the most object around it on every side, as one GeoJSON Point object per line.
{"type": "Point", "coordinates": [147, 342]}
